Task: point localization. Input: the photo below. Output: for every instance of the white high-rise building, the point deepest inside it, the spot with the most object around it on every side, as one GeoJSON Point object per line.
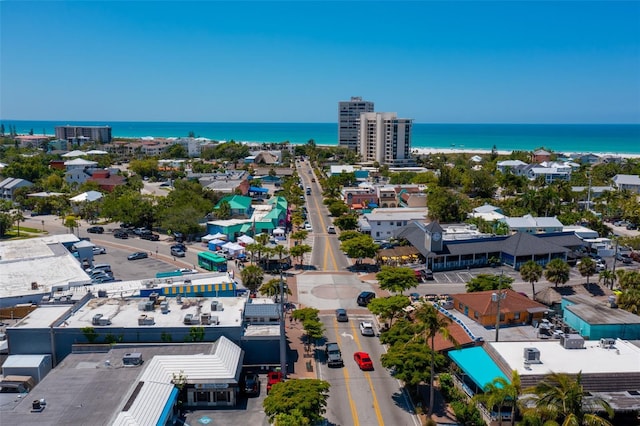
{"type": "Point", "coordinates": [385, 138]}
{"type": "Point", "coordinates": [348, 119]}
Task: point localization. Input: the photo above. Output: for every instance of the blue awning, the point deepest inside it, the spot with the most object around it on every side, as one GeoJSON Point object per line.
{"type": "Point", "coordinates": [478, 365]}
{"type": "Point", "coordinates": [168, 407]}
{"type": "Point", "coordinates": [258, 189]}
{"type": "Point", "coordinates": [372, 205]}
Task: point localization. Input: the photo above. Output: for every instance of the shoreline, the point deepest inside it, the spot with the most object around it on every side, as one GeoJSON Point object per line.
{"type": "Point", "coordinates": [429, 151]}
{"type": "Point", "coordinates": [417, 150]}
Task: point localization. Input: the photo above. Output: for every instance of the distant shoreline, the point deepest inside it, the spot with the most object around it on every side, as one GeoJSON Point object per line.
{"type": "Point", "coordinates": [601, 139]}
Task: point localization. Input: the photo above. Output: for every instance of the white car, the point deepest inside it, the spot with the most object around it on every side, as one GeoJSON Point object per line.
{"type": "Point", "coordinates": [366, 329]}
{"type": "Point", "coordinates": [186, 271]}
{"type": "Point", "coordinates": [99, 250]}
{"type": "Point", "coordinates": [307, 227]}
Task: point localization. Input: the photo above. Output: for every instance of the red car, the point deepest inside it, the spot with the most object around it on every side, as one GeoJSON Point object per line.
{"type": "Point", "coordinates": [273, 377]}
{"type": "Point", "coordinates": [363, 360]}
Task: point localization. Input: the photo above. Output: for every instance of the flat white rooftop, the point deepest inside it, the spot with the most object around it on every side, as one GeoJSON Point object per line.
{"type": "Point", "coordinates": [43, 316]}
{"type": "Point", "coordinates": [24, 262]}
{"type": "Point", "coordinates": [623, 357]}
{"type": "Point", "coordinates": [125, 312]}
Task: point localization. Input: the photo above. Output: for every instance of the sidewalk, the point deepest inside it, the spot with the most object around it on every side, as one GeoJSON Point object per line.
{"type": "Point", "coordinates": [298, 357]}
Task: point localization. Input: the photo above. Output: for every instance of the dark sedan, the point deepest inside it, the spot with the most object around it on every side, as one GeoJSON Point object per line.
{"type": "Point", "coordinates": [95, 229]}
{"type": "Point", "coordinates": [138, 255]}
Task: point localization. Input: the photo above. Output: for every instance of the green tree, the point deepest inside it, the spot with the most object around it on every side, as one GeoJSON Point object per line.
{"type": "Point", "coordinates": [389, 308]}
{"type": "Point", "coordinates": [587, 267]}
{"type": "Point", "coordinates": [629, 300]}
{"type": "Point", "coordinates": [396, 279]}
{"type": "Point", "coordinates": [272, 288]}
{"type": "Point", "coordinates": [501, 392]}
{"type": "Point", "coordinates": [223, 211]}
{"type": "Point", "coordinates": [347, 235]}
{"type": "Point", "coordinates": [18, 217]}
{"type": "Point", "coordinates": [430, 324]}
{"type": "Point", "coordinates": [360, 247]}
{"type": "Point", "coordinates": [304, 400]}
{"type": "Point", "coordinates": [338, 208]}
{"type": "Point", "coordinates": [175, 151]}
{"type": "Point", "coordinates": [346, 222]}
{"type": "Point", "coordinates": [299, 251]}
{"type": "Point", "coordinates": [410, 362]}
{"type": "Point", "coordinates": [300, 235]}
{"type": "Point", "coordinates": [560, 399]}
{"type": "Point", "coordinates": [144, 168]}
{"type": "Point", "coordinates": [252, 277]}
{"type": "Point", "coordinates": [447, 205]}
{"type": "Point", "coordinates": [486, 282]}
{"type": "Point", "coordinates": [311, 323]}
{"type": "Point", "coordinates": [557, 272]}
{"type": "Point", "coordinates": [531, 272]}
{"type": "Point", "coordinates": [608, 277]}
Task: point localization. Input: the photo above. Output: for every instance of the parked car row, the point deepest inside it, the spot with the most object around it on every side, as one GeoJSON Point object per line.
{"type": "Point", "coordinates": [100, 273]}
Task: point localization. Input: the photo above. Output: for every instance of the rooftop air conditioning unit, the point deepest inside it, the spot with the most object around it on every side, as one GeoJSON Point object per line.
{"type": "Point", "coordinates": [607, 343]}
{"type": "Point", "coordinates": [96, 319]}
{"type": "Point", "coordinates": [532, 356]}
{"type": "Point", "coordinates": [133, 358]}
{"type": "Point", "coordinates": [572, 341]}
{"type": "Point", "coordinates": [205, 318]}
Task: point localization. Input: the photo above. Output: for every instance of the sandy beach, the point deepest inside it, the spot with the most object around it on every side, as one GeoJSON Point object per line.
{"type": "Point", "coordinates": [427, 151]}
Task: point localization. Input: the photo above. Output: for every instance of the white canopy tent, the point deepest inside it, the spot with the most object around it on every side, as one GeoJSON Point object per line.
{"type": "Point", "coordinates": [278, 231]}
{"type": "Point", "coordinates": [245, 239]}
{"type": "Point", "coordinates": [233, 248]}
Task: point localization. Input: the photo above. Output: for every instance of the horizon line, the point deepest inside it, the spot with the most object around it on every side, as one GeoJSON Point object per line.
{"type": "Point", "coordinates": [332, 122]}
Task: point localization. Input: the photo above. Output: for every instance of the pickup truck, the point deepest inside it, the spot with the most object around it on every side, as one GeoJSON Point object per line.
{"type": "Point", "coordinates": [334, 356]}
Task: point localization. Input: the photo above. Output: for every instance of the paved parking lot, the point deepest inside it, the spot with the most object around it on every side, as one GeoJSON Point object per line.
{"type": "Point", "coordinates": [248, 412]}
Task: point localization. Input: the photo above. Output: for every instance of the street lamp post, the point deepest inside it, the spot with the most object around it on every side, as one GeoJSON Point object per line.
{"type": "Point", "coordinates": [496, 298]}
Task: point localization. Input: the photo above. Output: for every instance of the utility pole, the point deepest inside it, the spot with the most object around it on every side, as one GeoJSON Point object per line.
{"type": "Point", "coordinates": [496, 297]}
{"type": "Point", "coordinates": [283, 337]}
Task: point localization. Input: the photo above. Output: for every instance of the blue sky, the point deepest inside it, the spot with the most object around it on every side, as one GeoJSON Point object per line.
{"type": "Point", "coordinates": [435, 62]}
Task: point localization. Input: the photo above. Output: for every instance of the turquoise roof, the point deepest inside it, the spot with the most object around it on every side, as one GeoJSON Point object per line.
{"type": "Point", "coordinates": [274, 214]}
{"type": "Point", "coordinates": [478, 365]}
{"type": "Point", "coordinates": [237, 202]}
{"type": "Point", "coordinates": [279, 201]}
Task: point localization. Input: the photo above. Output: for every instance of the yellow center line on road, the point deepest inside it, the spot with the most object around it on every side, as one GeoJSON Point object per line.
{"type": "Point", "coordinates": [345, 372]}
{"type": "Point", "coordinates": [326, 250]}
{"type": "Point", "coordinates": [325, 235]}
{"type": "Point", "coordinates": [376, 406]}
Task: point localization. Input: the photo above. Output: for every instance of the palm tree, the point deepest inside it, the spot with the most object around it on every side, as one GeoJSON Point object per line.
{"type": "Point", "coordinates": [430, 323]}
{"type": "Point", "coordinates": [17, 217]}
{"type": "Point", "coordinates": [559, 399]}
{"type": "Point", "coordinates": [254, 248]}
{"type": "Point", "coordinates": [587, 267]}
{"type": "Point", "coordinates": [502, 392]}
{"type": "Point", "coordinates": [272, 288]}
{"type": "Point", "coordinates": [557, 272]}
{"type": "Point", "coordinates": [531, 273]}
{"type": "Point", "coordinates": [252, 277]}
{"type": "Point", "coordinates": [608, 277]}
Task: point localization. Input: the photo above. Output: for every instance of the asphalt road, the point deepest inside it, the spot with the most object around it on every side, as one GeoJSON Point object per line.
{"type": "Point", "coordinates": [359, 397]}
{"type": "Point", "coordinates": [326, 254]}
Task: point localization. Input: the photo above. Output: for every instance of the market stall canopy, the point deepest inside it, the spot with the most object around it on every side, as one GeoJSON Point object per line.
{"type": "Point", "coordinates": [245, 239]}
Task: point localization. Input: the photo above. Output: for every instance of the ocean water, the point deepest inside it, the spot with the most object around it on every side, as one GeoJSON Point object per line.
{"type": "Point", "coordinates": [595, 138]}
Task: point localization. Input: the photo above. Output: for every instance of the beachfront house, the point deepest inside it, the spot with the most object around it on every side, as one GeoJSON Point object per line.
{"type": "Point", "coordinates": [627, 183]}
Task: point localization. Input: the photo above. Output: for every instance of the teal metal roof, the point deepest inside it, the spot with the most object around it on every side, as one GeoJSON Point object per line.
{"type": "Point", "coordinates": [478, 365]}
